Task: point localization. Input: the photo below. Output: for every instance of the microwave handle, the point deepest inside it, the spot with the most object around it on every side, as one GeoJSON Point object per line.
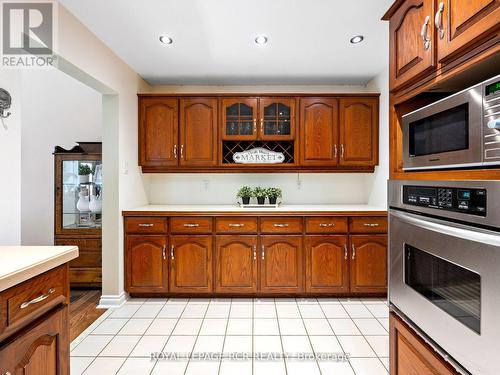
{"type": "Point", "coordinates": [448, 228]}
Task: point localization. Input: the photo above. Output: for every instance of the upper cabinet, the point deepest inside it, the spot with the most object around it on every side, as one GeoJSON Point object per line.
{"type": "Point", "coordinates": [239, 118]}
{"type": "Point", "coordinates": [460, 23]}
{"type": "Point", "coordinates": [158, 126]}
{"type": "Point", "coordinates": [358, 132]}
{"type": "Point", "coordinates": [319, 131]}
{"type": "Point", "coordinates": [412, 44]}
{"type": "Point", "coordinates": [198, 132]}
{"type": "Point", "coordinates": [277, 118]}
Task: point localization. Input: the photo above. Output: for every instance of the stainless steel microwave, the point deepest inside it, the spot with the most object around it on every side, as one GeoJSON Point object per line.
{"type": "Point", "coordinates": [459, 131]}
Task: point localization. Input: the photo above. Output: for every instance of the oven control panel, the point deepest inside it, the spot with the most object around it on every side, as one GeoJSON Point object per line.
{"type": "Point", "coordinates": [469, 201]}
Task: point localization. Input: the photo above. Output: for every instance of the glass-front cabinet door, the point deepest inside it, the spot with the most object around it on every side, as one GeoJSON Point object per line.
{"type": "Point", "coordinates": [79, 193]}
{"type": "Point", "coordinates": [277, 119]}
{"type": "Point", "coordinates": [239, 118]}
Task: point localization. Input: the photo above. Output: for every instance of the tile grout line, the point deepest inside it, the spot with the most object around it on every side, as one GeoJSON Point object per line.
{"type": "Point", "coordinates": [281, 337]}
{"type": "Point", "coordinates": [225, 335]}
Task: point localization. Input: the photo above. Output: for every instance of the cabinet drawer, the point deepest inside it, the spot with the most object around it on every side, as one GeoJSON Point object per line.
{"type": "Point", "coordinates": [35, 295]}
{"type": "Point", "coordinates": [281, 225]}
{"type": "Point", "coordinates": [146, 225]}
{"type": "Point", "coordinates": [368, 224]}
{"type": "Point", "coordinates": [236, 224]}
{"type": "Point", "coordinates": [326, 224]}
{"type": "Point", "coordinates": [89, 251]}
{"type": "Point", "coordinates": [191, 225]}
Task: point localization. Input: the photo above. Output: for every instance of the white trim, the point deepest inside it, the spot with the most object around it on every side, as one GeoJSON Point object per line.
{"type": "Point", "coordinates": [112, 301]}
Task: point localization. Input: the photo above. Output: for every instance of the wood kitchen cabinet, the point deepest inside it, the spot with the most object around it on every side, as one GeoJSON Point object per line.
{"type": "Point", "coordinates": [158, 132]}
{"type": "Point", "coordinates": [239, 118]}
{"type": "Point", "coordinates": [146, 266]}
{"type": "Point", "coordinates": [462, 23]}
{"type": "Point", "coordinates": [236, 264]}
{"type": "Point", "coordinates": [281, 265]}
{"type": "Point", "coordinates": [368, 263]}
{"type": "Point", "coordinates": [191, 263]}
{"type": "Point", "coordinates": [327, 264]}
{"type": "Point", "coordinates": [358, 132]}
{"type": "Point", "coordinates": [412, 42]}
{"type": "Point", "coordinates": [319, 128]}
{"type": "Point", "coordinates": [198, 132]}
{"type": "Point", "coordinates": [277, 118]}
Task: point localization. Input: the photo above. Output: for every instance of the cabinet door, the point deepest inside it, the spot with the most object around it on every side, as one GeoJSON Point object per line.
{"type": "Point", "coordinates": [158, 125]}
{"type": "Point", "coordinates": [281, 265]}
{"type": "Point", "coordinates": [42, 349]}
{"type": "Point", "coordinates": [198, 132]}
{"type": "Point", "coordinates": [369, 264]}
{"type": "Point", "coordinates": [191, 264]}
{"type": "Point", "coordinates": [146, 263]}
{"type": "Point", "coordinates": [410, 56]}
{"type": "Point", "coordinates": [358, 132]}
{"type": "Point", "coordinates": [460, 23]}
{"type": "Point", "coordinates": [236, 264]}
{"type": "Point", "coordinates": [318, 132]}
{"type": "Point", "coordinates": [277, 118]}
{"type": "Point", "coordinates": [239, 118]}
{"type": "Point", "coordinates": [327, 264]}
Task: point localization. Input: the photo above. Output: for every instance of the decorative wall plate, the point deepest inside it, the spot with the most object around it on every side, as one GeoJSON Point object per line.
{"type": "Point", "coordinates": [258, 155]}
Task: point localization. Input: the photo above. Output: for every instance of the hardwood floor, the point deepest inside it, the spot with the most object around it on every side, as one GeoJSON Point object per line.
{"type": "Point", "coordinates": [83, 310]}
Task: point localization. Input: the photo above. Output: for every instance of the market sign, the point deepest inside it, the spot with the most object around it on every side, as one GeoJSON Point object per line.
{"type": "Point", "coordinates": [258, 155]}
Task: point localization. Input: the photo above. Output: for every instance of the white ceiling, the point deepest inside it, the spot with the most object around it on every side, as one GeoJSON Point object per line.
{"type": "Point", "coordinates": [214, 39]}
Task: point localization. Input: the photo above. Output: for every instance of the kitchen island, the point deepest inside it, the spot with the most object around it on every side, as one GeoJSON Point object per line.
{"type": "Point", "coordinates": [34, 299]}
{"type": "Point", "coordinates": [310, 250]}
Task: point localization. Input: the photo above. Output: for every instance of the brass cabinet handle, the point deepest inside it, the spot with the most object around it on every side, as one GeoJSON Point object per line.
{"type": "Point", "coordinates": [345, 251]}
{"type": "Point", "coordinates": [281, 225]}
{"type": "Point", "coordinates": [263, 251]}
{"type": "Point", "coordinates": [164, 252]}
{"type": "Point", "coordinates": [262, 126]}
{"type": "Point", "coordinates": [342, 151]}
{"type": "Point", "coordinates": [371, 224]}
{"type": "Point", "coordinates": [335, 151]}
{"type": "Point", "coordinates": [254, 252]}
{"type": "Point", "coordinates": [172, 252]}
{"type": "Point", "coordinates": [191, 225]}
{"type": "Point", "coordinates": [423, 33]}
{"type": "Point", "coordinates": [175, 151]}
{"type": "Point", "coordinates": [37, 299]}
{"type": "Point", "coordinates": [438, 20]}
{"type": "Point", "coordinates": [182, 151]}
{"type": "Point", "coordinates": [255, 126]}
{"type": "Point", "coordinates": [326, 225]}
{"type": "Point", "coordinates": [353, 251]}
{"type": "Point", "coordinates": [232, 225]}
{"type": "Point", "coordinates": [145, 225]}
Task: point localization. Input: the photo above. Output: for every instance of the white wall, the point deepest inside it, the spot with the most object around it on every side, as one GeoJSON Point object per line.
{"type": "Point", "coordinates": [10, 163]}
{"type": "Point", "coordinates": [57, 110]}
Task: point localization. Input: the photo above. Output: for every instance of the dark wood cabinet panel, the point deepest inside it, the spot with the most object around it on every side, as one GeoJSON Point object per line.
{"type": "Point", "coordinates": [277, 118]}
{"type": "Point", "coordinates": [158, 132]}
{"type": "Point", "coordinates": [281, 264]}
{"type": "Point", "coordinates": [368, 267]}
{"type": "Point", "coordinates": [239, 118]}
{"type": "Point", "coordinates": [358, 132]}
{"type": "Point", "coordinates": [191, 263]}
{"type": "Point", "coordinates": [41, 348]}
{"type": "Point", "coordinates": [319, 131]}
{"type": "Point", "coordinates": [411, 56]}
{"type": "Point", "coordinates": [462, 23]}
{"type": "Point", "coordinates": [327, 264]}
{"type": "Point", "coordinates": [236, 264]}
{"type": "Point", "coordinates": [146, 263]}
{"type": "Point", "coordinates": [410, 355]}
{"type": "Point", "coordinates": [198, 132]}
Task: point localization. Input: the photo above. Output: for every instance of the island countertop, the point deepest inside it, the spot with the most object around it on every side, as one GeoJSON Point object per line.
{"type": "Point", "coordinates": [309, 209]}
{"type": "Point", "coordinates": [20, 263]}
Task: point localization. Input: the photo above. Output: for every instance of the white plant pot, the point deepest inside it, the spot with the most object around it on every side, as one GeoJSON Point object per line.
{"type": "Point", "coordinates": [82, 179]}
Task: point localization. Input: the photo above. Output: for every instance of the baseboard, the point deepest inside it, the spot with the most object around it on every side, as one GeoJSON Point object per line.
{"type": "Point", "coordinates": [112, 301]}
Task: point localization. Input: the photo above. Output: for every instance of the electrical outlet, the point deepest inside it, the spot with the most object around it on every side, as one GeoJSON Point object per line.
{"type": "Point", "coordinates": [206, 184]}
{"type": "Point", "coordinates": [125, 167]}
{"type": "Point", "coordinates": [299, 183]}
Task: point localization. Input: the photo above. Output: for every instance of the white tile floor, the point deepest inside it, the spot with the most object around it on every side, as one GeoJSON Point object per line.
{"type": "Point", "coordinates": [122, 340]}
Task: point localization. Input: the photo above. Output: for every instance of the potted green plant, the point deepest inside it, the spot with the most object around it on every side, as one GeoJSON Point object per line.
{"type": "Point", "coordinates": [260, 194]}
{"type": "Point", "coordinates": [245, 193]}
{"type": "Point", "coordinates": [84, 172]}
{"type": "Point", "coordinates": [273, 194]}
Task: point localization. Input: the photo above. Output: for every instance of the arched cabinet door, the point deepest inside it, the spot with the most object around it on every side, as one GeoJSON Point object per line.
{"type": "Point", "coordinates": [277, 119]}
{"type": "Point", "coordinates": [368, 257]}
{"type": "Point", "coordinates": [239, 118]}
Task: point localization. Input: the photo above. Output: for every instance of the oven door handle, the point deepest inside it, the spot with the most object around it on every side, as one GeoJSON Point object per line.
{"type": "Point", "coordinates": [449, 228]}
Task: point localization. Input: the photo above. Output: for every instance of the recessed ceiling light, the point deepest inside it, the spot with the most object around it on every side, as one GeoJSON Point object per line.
{"type": "Point", "coordinates": [357, 39]}
{"type": "Point", "coordinates": [165, 39]}
{"type": "Point", "coordinates": [261, 40]}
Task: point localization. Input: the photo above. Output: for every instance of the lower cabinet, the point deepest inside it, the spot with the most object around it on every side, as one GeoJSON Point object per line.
{"type": "Point", "coordinates": [281, 263]}
{"type": "Point", "coordinates": [236, 264]}
{"type": "Point", "coordinates": [191, 264]}
{"type": "Point", "coordinates": [410, 355]}
{"type": "Point", "coordinates": [327, 264]}
{"type": "Point", "coordinates": [146, 266]}
{"type": "Point", "coordinates": [368, 263]}
{"type": "Point", "coordinates": [41, 348]}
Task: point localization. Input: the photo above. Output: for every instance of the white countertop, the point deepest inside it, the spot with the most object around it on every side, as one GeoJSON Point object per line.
{"type": "Point", "coordinates": [20, 263]}
{"type": "Point", "coordinates": [282, 208]}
